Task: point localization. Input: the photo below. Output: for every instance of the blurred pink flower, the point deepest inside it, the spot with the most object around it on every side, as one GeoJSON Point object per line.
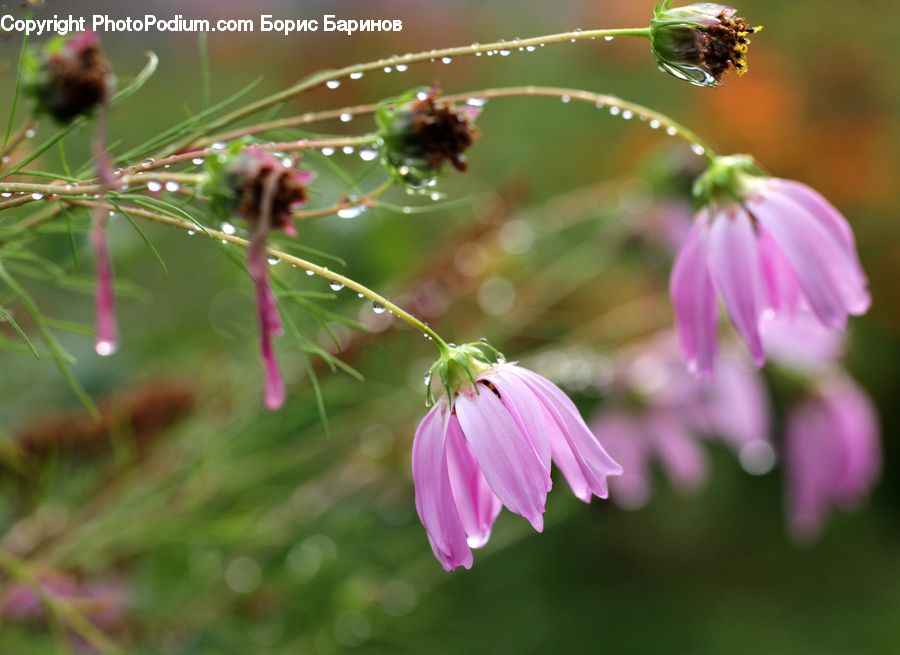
{"type": "Point", "coordinates": [781, 248]}
{"type": "Point", "coordinates": [832, 454]}
{"type": "Point", "coordinates": [494, 447]}
{"type": "Point", "coordinates": [673, 411]}
{"type": "Point", "coordinates": [102, 602]}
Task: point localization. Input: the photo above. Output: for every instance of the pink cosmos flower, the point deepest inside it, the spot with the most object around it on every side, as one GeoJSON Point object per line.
{"type": "Point", "coordinates": [659, 413]}
{"type": "Point", "coordinates": [493, 447]}
{"type": "Point", "coordinates": [832, 454]}
{"type": "Point", "coordinates": [779, 248]}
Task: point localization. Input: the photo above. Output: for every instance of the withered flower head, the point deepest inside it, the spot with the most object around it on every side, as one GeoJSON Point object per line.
{"type": "Point", "coordinates": [238, 180]}
{"type": "Point", "coordinates": [700, 42]}
{"type": "Point", "coordinates": [421, 132]}
{"type": "Point", "coordinates": [68, 78]}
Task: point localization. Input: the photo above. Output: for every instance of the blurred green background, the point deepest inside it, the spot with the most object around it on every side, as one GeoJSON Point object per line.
{"type": "Point", "coordinates": [238, 531]}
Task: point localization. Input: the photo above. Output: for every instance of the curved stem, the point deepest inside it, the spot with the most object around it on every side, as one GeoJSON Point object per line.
{"type": "Point", "coordinates": [365, 200]}
{"type": "Point", "coordinates": [322, 78]}
{"type": "Point", "coordinates": [321, 271]}
{"type": "Point", "coordinates": [668, 124]}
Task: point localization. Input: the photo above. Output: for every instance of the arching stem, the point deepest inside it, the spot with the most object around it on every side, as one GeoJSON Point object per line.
{"type": "Point", "coordinates": [322, 78]}
{"type": "Point", "coordinates": [320, 271]}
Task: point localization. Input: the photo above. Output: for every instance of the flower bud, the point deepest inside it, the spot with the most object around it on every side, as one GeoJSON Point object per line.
{"type": "Point", "coordinates": [420, 133]}
{"type": "Point", "coordinates": [68, 78]}
{"type": "Point", "coordinates": [698, 43]}
{"type": "Point", "coordinates": [237, 180]}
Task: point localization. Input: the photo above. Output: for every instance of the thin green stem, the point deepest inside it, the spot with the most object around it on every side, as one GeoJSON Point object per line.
{"type": "Point", "coordinates": [320, 271]}
{"type": "Point", "coordinates": [324, 77]}
{"type": "Point", "coordinates": [656, 119]}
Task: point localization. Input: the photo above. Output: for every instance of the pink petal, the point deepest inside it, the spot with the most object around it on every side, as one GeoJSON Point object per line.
{"type": "Point", "coordinates": [504, 454]}
{"type": "Point", "coordinates": [682, 457]}
{"type": "Point", "coordinates": [827, 276]}
{"type": "Point", "coordinates": [625, 440]}
{"type": "Point", "coordinates": [809, 462]}
{"type": "Point", "coordinates": [526, 409]}
{"type": "Point", "coordinates": [779, 282]}
{"type": "Point", "coordinates": [855, 423]}
{"type": "Point", "coordinates": [739, 406]}
{"type": "Point", "coordinates": [478, 506]}
{"type": "Point", "coordinates": [824, 211]}
{"type": "Point", "coordinates": [595, 463]}
{"type": "Point", "coordinates": [694, 299]}
{"type": "Point", "coordinates": [734, 262]}
{"type": "Point", "coordinates": [434, 496]}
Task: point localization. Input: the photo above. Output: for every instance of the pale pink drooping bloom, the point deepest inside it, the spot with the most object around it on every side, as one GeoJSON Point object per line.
{"type": "Point", "coordinates": [782, 248]}
{"type": "Point", "coordinates": [675, 411]}
{"type": "Point", "coordinates": [494, 448]}
{"type": "Point", "coordinates": [832, 454]}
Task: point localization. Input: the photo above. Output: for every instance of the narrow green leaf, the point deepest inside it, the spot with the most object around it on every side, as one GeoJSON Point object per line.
{"type": "Point", "coordinates": [15, 98]}
{"type": "Point", "coordinates": [62, 358]}
{"type": "Point", "coordinates": [7, 316]}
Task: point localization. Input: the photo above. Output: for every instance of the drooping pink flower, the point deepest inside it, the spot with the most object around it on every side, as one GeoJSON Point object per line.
{"type": "Point", "coordinates": [494, 446]}
{"type": "Point", "coordinates": [778, 249]}
{"type": "Point", "coordinates": [658, 413]}
{"type": "Point", "coordinates": [264, 190]}
{"type": "Point", "coordinates": [832, 454]}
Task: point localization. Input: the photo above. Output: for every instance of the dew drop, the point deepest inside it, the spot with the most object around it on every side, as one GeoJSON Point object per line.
{"type": "Point", "coordinates": [530, 48]}
{"type": "Point", "coordinates": [328, 151]}
{"type": "Point", "coordinates": [228, 228]}
{"type": "Point", "coordinates": [504, 53]}
{"type": "Point", "coordinates": [566, 99]}
{"type": "Point", "coordinates": [388, 69]}
{"type": "Point", "coordinates": [6, 194]}
{"type": "Point", "coordinates": [368, 155]}
{"type": "Point", "coordinates": [402, 68]}
{"type": "Point", "coordinates": [346, 118]}
{"type": "Point", "coordinates": [333, 84]}
{"type": "Point", "coordinates": [197, 161]}
{"type": "Point", "coordinates": [627, 114]}
{"type": "Point", "coordinates": [654, 124]}
{"type": "Point", "coordinates": [355, 76]}
{"type": "Point", "coordinates": [351, 212]}
{"type": "Point", "coordinates": [476, 102]}
{"type": "Point", "coordinates": [272, 260]}
{"type": "Point", "coordinates": [698, 149]}
{"type": "Point", "coordinates": [30, 132]}
{"type": "Point", "coordinates": [444, 60]}
{"type": "Point", "coordinates": [615, 111]}
{"type": "Point", "coordinates": [218, 146]}
{"type": "Point", "coordinates": [37, 196]}
{"type": "Point", "coordinates": [335, 285]}
{"type": "Point", "coordinates": [310, 273]}
{"type": "Point", "coordinates": [378, 308]}
{"type": "Point", "coordinates": [191, 233]}
{"type": "Point", "coordinates": [105, 348]}
{"type": "Point", "coordinates": [172, 186]}
{"type": "Point", "coordinates": [360, 295]}
{"type": "Point", "coordinates": [608, 38]}
{"type": "Point", "coordinates": [427, 378]}
{"type": "Point", "coordinates": [348, 150]}
{"type": "Point", "coordinates": [671, 131]}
